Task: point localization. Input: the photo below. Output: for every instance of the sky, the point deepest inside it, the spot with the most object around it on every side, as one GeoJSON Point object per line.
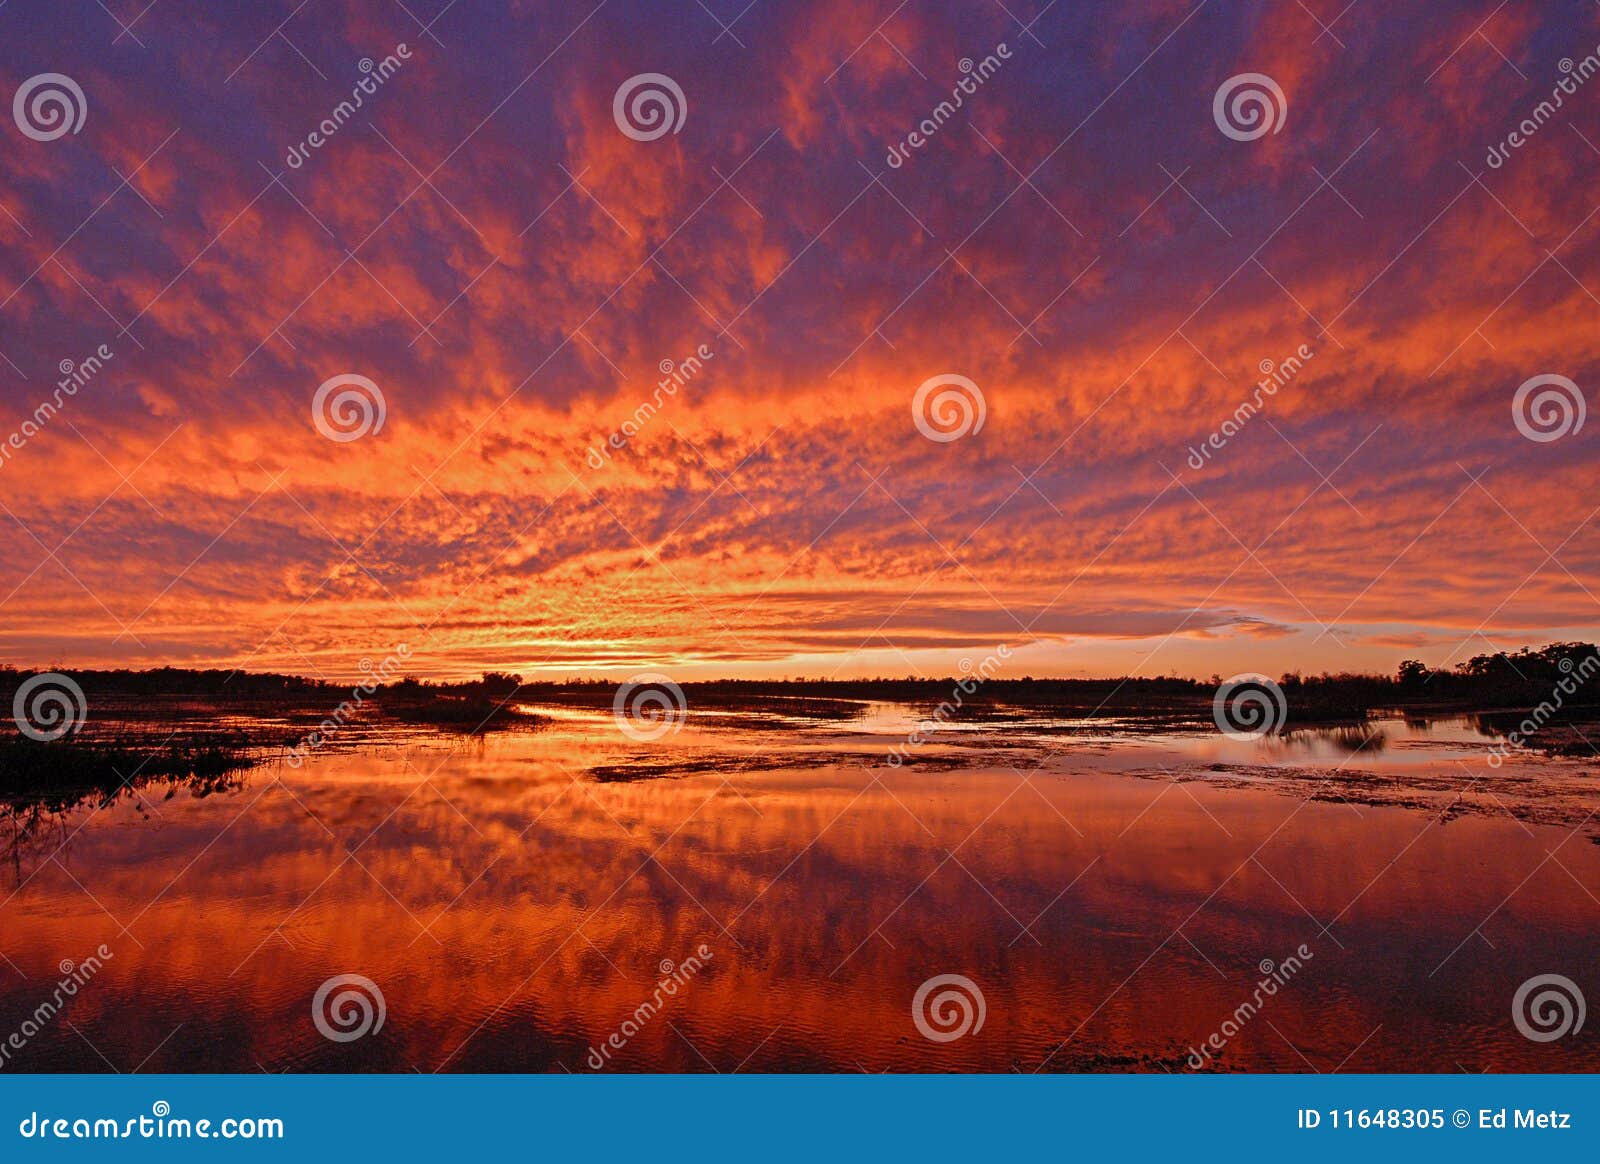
{"type": "Point", "coordinates": [1102, 251]}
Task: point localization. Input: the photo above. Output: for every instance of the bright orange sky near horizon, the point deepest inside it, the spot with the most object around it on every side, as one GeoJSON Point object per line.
{"type": "Point", "coordinates": [1081, 240]}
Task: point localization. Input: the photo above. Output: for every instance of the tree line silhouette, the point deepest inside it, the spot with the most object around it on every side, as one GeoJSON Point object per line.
{"type": "Point", "coordinates": [1483, 682]}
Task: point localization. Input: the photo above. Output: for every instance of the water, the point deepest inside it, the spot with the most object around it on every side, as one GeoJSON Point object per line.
{"type": "Point", "coordinates": [1115, 891]}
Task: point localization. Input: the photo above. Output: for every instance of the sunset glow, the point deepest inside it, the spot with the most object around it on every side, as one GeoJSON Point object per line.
{"type": "Point", "coordinates": [523, 281]}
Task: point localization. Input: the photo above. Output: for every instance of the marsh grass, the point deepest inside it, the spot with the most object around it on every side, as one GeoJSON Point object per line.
{"type": "Point", "coordinates": [34, 770]}
{"type": "Point", "coordinates": [42, 784]}
{"type": "Point", "coordinates": [469, 713]}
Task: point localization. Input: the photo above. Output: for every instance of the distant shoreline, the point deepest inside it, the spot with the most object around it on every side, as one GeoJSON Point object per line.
{"type": "Point", "coordinates": [1498, 682]}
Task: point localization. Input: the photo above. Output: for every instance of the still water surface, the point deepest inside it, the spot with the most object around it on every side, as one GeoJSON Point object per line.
{"type": "Point", "coordinates": [1114, 890]}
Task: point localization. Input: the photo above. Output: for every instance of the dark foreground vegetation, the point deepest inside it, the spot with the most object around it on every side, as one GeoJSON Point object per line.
{"type": "Point", "coordinates": [167, 723]}
{"type": "Point", "coordinates": [41, 781]}
{"type": "Point", "coordinates": [1483, 683]}
{"type": "Point", "coordinates": [200, 728]}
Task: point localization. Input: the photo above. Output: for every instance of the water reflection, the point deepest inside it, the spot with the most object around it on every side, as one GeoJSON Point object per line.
{"type": "Point", "coordinates": [1363, 738]}
{"type": "Point", "coordinates": [516, 911]}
